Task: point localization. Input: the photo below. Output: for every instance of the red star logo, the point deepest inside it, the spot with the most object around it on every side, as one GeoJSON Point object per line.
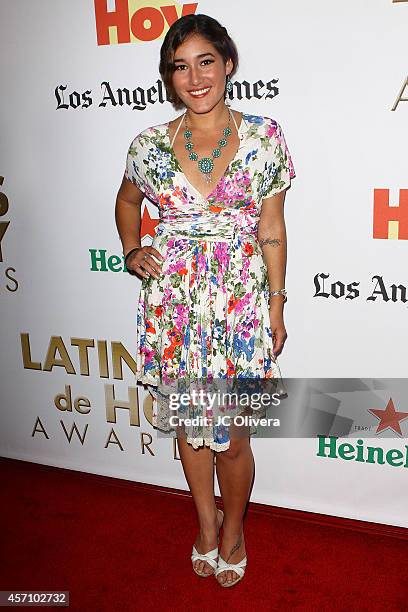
{"type": "Point", "coordinates": [147, 224]}
{"type": "Point", "coordinates": [389, 417]}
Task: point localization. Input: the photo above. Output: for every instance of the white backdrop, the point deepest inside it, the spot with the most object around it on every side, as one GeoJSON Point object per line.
{"type": "Point", "coordinates": [339, 68]}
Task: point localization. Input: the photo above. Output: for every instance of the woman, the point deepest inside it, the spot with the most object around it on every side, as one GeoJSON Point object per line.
{"type": "Point", "coordinates": [212, 294]}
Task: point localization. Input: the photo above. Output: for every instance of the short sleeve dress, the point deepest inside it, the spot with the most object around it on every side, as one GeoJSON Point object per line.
{"type": "Point", "coordinates": [207, 315]}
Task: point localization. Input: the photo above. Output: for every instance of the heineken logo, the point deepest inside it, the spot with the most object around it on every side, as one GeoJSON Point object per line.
{"type": "Point", "coordinates": [359, 451]}
{"type": "Point", "coordinates": [389, 418]}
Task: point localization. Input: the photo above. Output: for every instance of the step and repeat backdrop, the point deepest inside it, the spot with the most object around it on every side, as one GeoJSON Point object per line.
{"type": "Point", "coordinates": [79, 80]}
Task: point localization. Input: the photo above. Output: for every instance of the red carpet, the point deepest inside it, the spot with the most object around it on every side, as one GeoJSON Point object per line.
{"type": "Point", "coordinates": [117, 546]}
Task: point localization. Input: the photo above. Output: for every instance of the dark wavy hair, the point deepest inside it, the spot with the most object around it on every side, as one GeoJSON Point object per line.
{"type": "Point", "coordinates": [206, 26]}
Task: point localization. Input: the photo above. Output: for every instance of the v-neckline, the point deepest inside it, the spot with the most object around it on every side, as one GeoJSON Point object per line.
{"type": "Point", "coordinates": [241, 136]}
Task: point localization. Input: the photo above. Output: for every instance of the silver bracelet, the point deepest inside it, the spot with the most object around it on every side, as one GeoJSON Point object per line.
{"type": "Point", "coordinates": [279, 292]}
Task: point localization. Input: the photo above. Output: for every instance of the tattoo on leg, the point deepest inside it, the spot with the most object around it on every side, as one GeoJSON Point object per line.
{"type": "Point", "coordinates": [234, 548]}
{"type": "Point", "coordinates": [273, 241]}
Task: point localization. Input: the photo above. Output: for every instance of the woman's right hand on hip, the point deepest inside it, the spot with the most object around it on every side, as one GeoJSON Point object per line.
{"type": "Point", "coordinates": [143, 262]}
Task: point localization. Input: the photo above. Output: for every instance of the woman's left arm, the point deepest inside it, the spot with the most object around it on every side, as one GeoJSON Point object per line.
{"type": "Point", "coordinates": [272, 240]}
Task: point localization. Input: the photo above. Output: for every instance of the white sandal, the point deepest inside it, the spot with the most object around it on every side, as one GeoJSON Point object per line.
{"type": "Point", "coordinates": [211, 557]}
{"type": "Point", "coordinates": [238, 568]}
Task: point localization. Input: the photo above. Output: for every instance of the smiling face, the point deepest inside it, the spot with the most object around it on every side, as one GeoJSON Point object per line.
{"type": "Point", "coordinates": [199, 74]}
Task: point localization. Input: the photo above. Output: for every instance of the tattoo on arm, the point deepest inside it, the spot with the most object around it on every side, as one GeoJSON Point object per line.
{"type": "Point", "coordinates": [273, 241]}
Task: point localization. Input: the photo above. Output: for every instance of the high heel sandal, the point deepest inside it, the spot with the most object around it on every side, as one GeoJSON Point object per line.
{"type": "Point", "coordinates": [210, 557]}
{"type": "Point", "coordinates": [238, 568]}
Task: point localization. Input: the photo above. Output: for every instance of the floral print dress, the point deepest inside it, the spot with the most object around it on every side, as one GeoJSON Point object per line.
{"type": "Point", "coordinates": [207, 314]}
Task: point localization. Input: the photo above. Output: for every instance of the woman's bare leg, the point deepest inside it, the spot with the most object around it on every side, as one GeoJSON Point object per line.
{"type": "Point", "coordinates": [198, 466]}
{"type": "Point", "coordinates": [235, 472]}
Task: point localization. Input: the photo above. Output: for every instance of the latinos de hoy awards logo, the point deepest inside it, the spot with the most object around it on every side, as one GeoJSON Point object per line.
{"type": "Point", "coordinates": [390, 214]}
{"type": "Point", "coordinates": [125, 21]}
{"type": "Point", "coordinates": [401, 97]}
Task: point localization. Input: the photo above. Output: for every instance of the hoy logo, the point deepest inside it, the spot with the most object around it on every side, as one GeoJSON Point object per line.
{"type": "Point", "coordinates": [124, 21]}
{"type": "Point", "coordinates": [390, 221]}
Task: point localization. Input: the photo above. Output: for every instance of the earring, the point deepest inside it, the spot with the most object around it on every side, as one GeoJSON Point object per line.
{"type": "Point", "coordinates": [229, 84]}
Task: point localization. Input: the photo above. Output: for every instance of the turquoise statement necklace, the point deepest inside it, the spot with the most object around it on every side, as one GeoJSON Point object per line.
{"type": "Point", "coordinates": [206, 164]}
